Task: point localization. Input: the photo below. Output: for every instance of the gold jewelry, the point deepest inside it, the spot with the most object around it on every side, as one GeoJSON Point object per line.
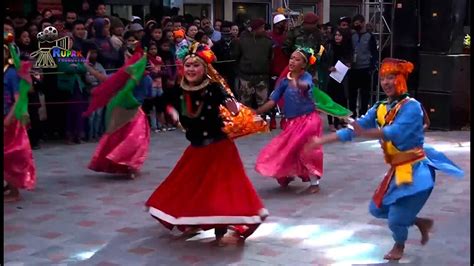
{"type": "Point", "coordinates": [187, 87]}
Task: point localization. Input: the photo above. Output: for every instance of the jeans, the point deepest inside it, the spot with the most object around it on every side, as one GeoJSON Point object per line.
{"type": "Point", "coordinates": [96, 124]}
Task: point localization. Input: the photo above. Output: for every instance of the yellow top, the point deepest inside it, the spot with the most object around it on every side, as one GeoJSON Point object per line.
{"type": "Point", "coordinates": [401, 161]}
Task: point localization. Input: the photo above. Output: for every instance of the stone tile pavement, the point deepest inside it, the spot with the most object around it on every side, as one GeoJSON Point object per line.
{"type": "Point", "coordinates": [78, 217]}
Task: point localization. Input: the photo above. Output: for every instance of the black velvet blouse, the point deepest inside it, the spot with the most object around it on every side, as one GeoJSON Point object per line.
{"type": "Point", "coordinates": [203, 123]}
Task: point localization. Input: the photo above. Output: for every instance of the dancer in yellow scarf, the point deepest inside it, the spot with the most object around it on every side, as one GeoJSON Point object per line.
{"type": "Point", "coordinates": [399, 124]}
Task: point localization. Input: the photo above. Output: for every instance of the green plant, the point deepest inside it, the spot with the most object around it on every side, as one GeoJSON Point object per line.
{"type": "Point", "coordinates": [467, 41]}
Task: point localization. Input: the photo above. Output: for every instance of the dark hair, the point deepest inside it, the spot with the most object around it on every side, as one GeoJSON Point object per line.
{"type": "Point", "coordinates": [46, 10]}
{"type": "Point", "coordinates": [56, 18]}
{"type": "Point", "coordinates": [77, 22]}
{"type": "Point", "coordinates": [100, 3]}
{"type": "Point", "coordinates": [152, 43]}
{"type": "Point", "coordinates": [199, 36]}
{"type": "Point", "coordinates": [8, 22]}
{"type": "Point", "coordinates": [177, 19]}
{"type": "Point", "coordinates": [128, 34]}
{"type": "Point", "coordinates": [358, 17]}
{"type": "Point", "coordinates": [45, 20]}
{"type": "Point", "coordinates": [345, 19]}
{"type": "Point", "coordinates": [226, 24]}
{"type": "Point", "coordinates": [33, 14]}
{"type": "Point", "coordinates": [220, 20]}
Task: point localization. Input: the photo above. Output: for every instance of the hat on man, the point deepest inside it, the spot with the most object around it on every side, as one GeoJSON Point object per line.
{"type": "Point", "coordinates": [136, 27]}
{"type": "Point", "coordinates": [257, 23]}
{"type": "Point", "coordinates": [310, 18]}
{"type": "Point", "coordinates": [279, 18]}
{"type": "Point", "coordinates": [345, 19]}
{"type": "Point", "coordinates": [115, 22]}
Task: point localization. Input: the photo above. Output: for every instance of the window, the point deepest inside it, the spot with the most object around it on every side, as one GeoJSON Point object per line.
{"type": "Point", "coordinates": [197, 10]}
{"type": "Point", "coordinates": [248, 11]}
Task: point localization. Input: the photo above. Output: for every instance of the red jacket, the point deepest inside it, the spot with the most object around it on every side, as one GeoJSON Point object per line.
{"type": "Point", "coordinates": [280, 59]}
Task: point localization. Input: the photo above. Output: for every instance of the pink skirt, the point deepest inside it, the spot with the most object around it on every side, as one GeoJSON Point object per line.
{"type": "Point", "coordinates": [208, 188]}
{"type": "Point", "coordinates": [124, 150]}
{"type": "Point", "coordinates": [18, 165]}
{"type": "Point", "coordinates": [285, 155]}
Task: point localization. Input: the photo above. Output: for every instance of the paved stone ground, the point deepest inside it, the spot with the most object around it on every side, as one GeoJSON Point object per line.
{"type": "Point", "coordinates": [78, 217]}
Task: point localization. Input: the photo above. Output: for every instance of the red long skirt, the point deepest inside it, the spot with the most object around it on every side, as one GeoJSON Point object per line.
{"type": "Point", "coordinates": [208, 188]}
{"type": "Point", "coordinates": [18, 165]}
{"type": "Point", "coordinates": [124, 150]}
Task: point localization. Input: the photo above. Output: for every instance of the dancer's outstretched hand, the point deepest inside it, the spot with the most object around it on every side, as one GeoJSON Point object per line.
{"type": "Point", "coordinates": [314, 142]}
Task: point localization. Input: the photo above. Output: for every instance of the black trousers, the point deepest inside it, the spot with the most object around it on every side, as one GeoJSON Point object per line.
{"type": "Point", "coordinates": [337, 92]}
{"type": "Point", "coordinates": [359, 79]}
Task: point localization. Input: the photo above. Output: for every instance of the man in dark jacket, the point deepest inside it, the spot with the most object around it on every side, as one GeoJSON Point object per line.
{"type": "Point", "coordinates": [254, 52]}
{"type": "Point", "coordinates": [364, 62]}
{"type": "Point", "coordinates": [222, 50]}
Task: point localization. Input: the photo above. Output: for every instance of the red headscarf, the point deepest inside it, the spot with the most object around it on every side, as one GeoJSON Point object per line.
{"type": "Point", "coordinates": [400, 68]}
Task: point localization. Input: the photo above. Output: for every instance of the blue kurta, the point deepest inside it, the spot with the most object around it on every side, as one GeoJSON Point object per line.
{"type": "Point", "coordinates": [406, 133]}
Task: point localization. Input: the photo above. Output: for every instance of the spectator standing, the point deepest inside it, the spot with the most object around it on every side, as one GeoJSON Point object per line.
{"type": "Point", "coordinates": [86, 11]}
{"type": "Point", "coordinates": [96, 120]}
{"type": "Point", "coordinates": [100, 11]}
{"type": "Point", "coordinates": [213, 34]}
{"type": "Point", "coordinates": [137, 30]}
{"type": "Point", "coordinates": [338, 49]}
{"type": "Point", "coordinates": [36, 110]}
{"type": "Point", "coordinates": [171, 92]}
{"type": "Point", "coordinates": [23, 42]}
{"type": "Point", "coordinates": [222, 49]}
{"type": "Point", "coordinates": [191, 33]}
{"type": "Point", "coordinates": [234, 30]}
{"type": "Point", "coordinates": [71, 16]}
{"type": "Point", "coordinates": [254, 53]}
{"type": "Point", "coordinates": [307, 35]}
{"type": "Point", "coordinates": [280, 59]}
{"type": "Point", "coordinates": [108, 56]}
{"type": "Point", "coordinates": [116, 30]}
{"type": "Point", "coordinates": [345, 22]}
{"type": "Point", "coordinates": [363, 63]}
{"type": "Point", "coordinates": [71, 83]}
{"type": "Point", "coordinates": [218, 25]}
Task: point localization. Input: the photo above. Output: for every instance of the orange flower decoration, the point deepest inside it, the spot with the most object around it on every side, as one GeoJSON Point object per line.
{"type": "Point", "coordinates": [312, 60]}
{"type": "Point", "coordinates": [246, 122]}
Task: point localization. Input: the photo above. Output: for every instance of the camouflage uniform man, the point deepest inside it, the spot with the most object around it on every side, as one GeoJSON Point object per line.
{"type": "Point", "coordinates": [306, 35]}
{"type": "Point", "coordinates": [254, 52]}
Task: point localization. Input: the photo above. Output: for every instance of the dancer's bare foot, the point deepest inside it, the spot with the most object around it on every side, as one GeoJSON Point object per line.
{"type": "Point", "coordinates": [11, 195]}
{"type": "Point", "coordinates": [284, 182]}
{"type": "Point", "coordinates": [424, 225]}
{"type": "Point", "coordinates": [220, 241]}
{"type": "Point", "coordinates": [313, 189]}
{"type": "Point", "coordinates": [396, 253]}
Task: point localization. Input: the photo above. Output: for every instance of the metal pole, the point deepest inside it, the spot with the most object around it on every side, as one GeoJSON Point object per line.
{"type": "Point", "coordinates": [380, 9]}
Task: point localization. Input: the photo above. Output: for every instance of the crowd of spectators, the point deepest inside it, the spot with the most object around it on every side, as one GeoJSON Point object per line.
{"type": "Point", "coordinates": [249, 58]}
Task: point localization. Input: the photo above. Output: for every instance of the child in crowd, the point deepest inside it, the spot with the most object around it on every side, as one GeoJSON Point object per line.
{"type": "Point", "coordinates": [96, 120]}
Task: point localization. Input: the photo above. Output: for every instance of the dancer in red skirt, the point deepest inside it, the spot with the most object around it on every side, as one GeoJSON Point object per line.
{"type": "Point", "coordinates": [284, 157]}
{"type": "Point", "coordinates": [208, 188]}
{"type": "Point", "coordinates": [124, 146]}
{"type": "Point", "coordinates": [18, 166]}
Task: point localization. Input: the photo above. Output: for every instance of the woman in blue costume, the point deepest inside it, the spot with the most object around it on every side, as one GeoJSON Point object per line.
{"type": "Point", "coordinates": [399, 124]}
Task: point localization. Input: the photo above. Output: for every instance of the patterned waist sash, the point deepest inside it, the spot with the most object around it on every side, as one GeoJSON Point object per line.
{"type": "Point", "coordinates": [400, 166]}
